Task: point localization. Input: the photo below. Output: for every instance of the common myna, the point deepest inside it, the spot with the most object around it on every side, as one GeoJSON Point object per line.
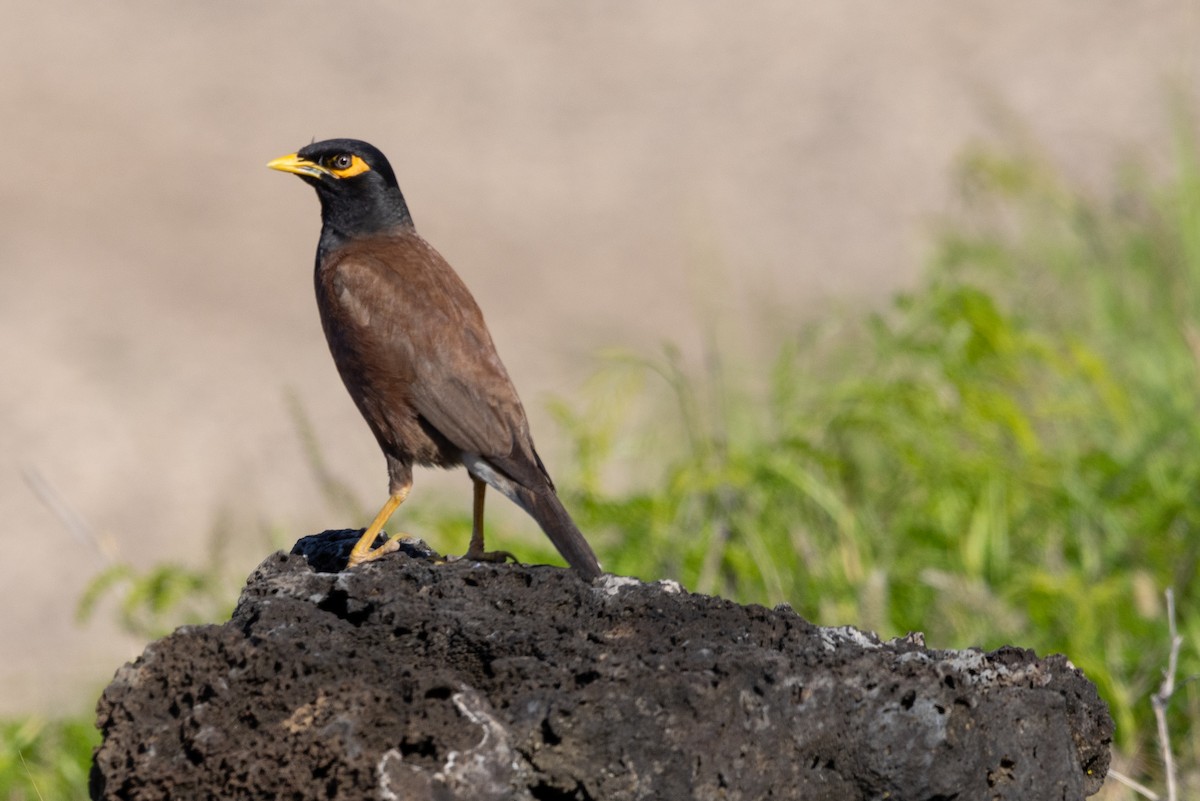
{"type": "Point", "coordinates": [411, 346]}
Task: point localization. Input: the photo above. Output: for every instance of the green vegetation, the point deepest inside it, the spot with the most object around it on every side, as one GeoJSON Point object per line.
{"type": "Point", "coordinates": [1009, 453]}
{"type": "Point", "coordinates": [41, 759]}
{"type": "Point", "coordinates": [156, 602]}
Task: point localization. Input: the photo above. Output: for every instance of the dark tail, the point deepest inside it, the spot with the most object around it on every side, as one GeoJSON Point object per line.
{"type": "Point", "coordinates": [545, 507]}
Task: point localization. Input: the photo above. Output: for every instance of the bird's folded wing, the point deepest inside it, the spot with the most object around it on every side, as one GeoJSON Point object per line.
{"type": "Point", "coordinates": [422, 317]}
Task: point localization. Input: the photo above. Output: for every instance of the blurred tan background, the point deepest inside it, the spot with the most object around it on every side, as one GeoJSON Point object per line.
{"type": "Point", "coordinates": [600, 173]}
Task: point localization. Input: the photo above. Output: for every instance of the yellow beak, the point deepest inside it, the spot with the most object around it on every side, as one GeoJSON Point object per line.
{"type": "Point", "coordinates": [294, 164]}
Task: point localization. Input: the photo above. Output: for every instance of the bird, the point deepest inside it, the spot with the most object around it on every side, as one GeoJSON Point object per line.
{"type": "Point", "coordinates": [410, 344]}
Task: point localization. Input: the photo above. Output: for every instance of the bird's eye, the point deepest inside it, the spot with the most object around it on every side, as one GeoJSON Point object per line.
{"type": "Point", "coordinates": [341, 161]}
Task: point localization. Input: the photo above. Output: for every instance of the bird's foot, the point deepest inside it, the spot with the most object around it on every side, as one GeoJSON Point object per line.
{"type": "Point", "coordinates": [496, 557]}
{"type": "Point", "coordinates": [358, 557]}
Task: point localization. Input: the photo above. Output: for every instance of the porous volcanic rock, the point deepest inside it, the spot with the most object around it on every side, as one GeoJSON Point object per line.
{"type": "Point", "coordinates": [409, 678]}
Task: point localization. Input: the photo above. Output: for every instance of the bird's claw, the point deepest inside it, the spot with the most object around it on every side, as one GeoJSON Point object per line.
{"type": "Point", "coordinates": [357, 559]}
{"type": "Point", "coordinates": [495, 557]}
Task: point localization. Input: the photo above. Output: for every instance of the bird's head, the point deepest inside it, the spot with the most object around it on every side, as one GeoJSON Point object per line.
{"type": "Point", "coordinates": [355, 182]}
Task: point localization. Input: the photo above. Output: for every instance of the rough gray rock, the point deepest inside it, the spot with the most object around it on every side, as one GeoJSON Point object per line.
{"type": "Point", "coordinates": [413, 679]}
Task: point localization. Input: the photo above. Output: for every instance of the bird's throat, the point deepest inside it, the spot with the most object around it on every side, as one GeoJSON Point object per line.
{"type": "Point", "coordinates": [342, 223]}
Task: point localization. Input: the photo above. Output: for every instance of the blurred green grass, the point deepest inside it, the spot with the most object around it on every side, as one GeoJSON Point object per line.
{"type": "Point", "coordinates": [42, 759]}
{"type": "Point", "coordinates": [1009, 453]}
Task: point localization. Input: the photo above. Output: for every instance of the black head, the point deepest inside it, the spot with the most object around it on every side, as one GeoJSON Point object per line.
{"type": "Point", "coordinates": [358, 190]}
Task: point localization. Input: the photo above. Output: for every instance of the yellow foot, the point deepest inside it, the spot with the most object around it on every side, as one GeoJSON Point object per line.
{"type": "Point", "coordinates": [358, 557]}
{"type": "Point", "coordinates": [498, 557]}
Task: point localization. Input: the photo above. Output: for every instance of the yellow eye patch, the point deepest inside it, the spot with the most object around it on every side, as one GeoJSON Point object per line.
{"type": "Point", "coordinates": [356, 167]}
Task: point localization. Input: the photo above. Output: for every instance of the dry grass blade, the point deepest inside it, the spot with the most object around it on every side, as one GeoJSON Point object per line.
{"type": "Point", "coordinates": [1162, 698]}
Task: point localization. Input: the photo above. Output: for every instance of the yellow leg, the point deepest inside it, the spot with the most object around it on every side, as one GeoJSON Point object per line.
{"type": "Point", "coordinates": [475, 551]}
{"type": "Point", "coordinates": [362, 549]}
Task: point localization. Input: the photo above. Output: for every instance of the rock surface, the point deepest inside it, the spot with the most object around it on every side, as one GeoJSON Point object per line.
{"type": "Point", "coordinates": [412, 679]}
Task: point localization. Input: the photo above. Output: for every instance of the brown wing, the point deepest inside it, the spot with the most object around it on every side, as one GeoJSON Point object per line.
{"type": "Point", "coordinates": [410, 341]}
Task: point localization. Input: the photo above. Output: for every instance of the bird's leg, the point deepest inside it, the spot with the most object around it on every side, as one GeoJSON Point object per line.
{"type": "Point", "coordinates": [477, 517]}
{"type": "Point", "coordinates": [476, 552]}
{"type": "Point", "coordinates": [362, 549]}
